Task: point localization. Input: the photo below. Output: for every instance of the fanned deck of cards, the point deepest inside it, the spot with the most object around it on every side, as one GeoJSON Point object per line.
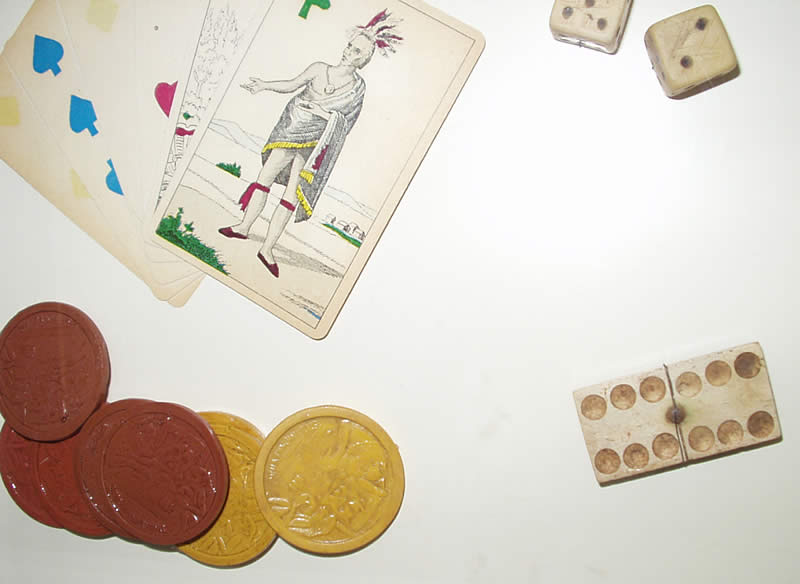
{"type": "Point", "coordinates": [266, 143]}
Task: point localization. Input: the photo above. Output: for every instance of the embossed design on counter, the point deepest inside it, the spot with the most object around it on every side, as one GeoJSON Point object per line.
{"type": "Point", "coordinates": [328, 479]}
{"type": "Point", "coordinates": [54, 371]}
{"type": "Point", "coordinates": [40, 368]}
{"type": "Point", "coordinates": [241, 533]}
{"type": "Point", "coordinates": [162, 476]}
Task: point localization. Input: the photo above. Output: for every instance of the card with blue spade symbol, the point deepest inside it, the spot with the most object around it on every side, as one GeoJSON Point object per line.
{"type": "Point", "coordinates": [169, 122]}
{"type": "Point", "coordinates": [41, 58]}
{"type": "Point", "coordinates": [82, 117]}
{"type": "Point", "coordinates": [47, 55]}
{"type": "Point", "coordinates": [27, 145]}
{"type": "Point", "coordinates": [104, 44]}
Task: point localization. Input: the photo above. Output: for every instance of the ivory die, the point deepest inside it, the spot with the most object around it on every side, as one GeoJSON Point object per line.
{"type": "Point", "coordinates": [690, 49]}
{"type": "Point", "coordinates": [597, 24]}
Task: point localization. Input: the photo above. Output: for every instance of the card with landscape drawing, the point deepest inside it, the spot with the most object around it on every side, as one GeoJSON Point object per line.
{"type": "Point", "coordinates": [294, 174]}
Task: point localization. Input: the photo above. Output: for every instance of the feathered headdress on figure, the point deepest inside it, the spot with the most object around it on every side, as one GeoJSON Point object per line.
{"type": "Point", "coordinates": [381, 30]}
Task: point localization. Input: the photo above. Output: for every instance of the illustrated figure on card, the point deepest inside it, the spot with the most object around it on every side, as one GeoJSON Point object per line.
{"type": "Point", "coordinates": [304, 153]}
{"type": "Point", "coordinates": [302, 149]}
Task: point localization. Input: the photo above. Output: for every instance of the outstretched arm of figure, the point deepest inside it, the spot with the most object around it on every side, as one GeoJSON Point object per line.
{"type": "Point", "coordinates": [255, 84]}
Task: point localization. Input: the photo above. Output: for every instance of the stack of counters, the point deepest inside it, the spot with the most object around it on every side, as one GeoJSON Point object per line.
{"type": "Point", "coordinates": [55, 371]}
{"type": "Point", "coordinates": [154, 472]}
{"type": "Point", "coordinates": [329, 480]}
{"type": "Point", "coordinates": [88, 468]}
{"type": "Point", "coordinates": [39, 477]}
{"type": "Point", "coordinates": [59, 488]}
{"type": "Point", "coordinates": [241, 533]}
{"type": "Point", "coordinates": [18, 458]}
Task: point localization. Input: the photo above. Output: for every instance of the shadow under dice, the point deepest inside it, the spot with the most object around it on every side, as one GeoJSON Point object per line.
{"type": "Point", "coordinates": [597, 24]}
{"type": "Point", "coordinates": [691, 51]}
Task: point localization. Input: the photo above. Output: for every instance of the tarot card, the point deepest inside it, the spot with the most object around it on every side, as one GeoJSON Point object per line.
{"type": "Point", "coordinates": [41, 60]}
{"type": "Point", "coordinates": [280, 200]}
{"type": "Point", "coordinates": [103, 39]}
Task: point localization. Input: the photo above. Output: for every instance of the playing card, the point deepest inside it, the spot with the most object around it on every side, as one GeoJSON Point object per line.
{"type": "Point", "coordinates": [27, 145]}
{"type": "Point", "coordinates": [166, 40]}
{"type": "Point", "coordinates": [228, 30]}
{"type": "Point", "coordinates": [41, 60]}
{"type": "Point", "coordinates": [311, 147]}
{"type": "Point", "coordinates": [103, 39]}
{"type": "Point", "coordinates": [101, 36]}
{"type": "Point", "coordinates": [167, 36]}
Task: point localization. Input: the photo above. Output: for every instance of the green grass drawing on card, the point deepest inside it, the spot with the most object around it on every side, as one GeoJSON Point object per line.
{"type": "Point", "coordinates": [343, 235]}
{"type": "Point", "coordinates": [172, 229]}
{"type": "Point", "coordinates": [234, 169]}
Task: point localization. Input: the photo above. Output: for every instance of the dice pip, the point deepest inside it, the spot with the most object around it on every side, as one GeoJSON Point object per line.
{"type": "Point", "coordinates": [690, 50]}
{"type": "Point", "coordinates": [597, 24]}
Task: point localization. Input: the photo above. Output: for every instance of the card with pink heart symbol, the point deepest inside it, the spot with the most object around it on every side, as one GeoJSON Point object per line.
{"type": "Point", "coordinates": [105, 39]}
{"type": "Point", "coordinates": [159, 114]}
{"type": "Point", "coordinates": [165, 96]}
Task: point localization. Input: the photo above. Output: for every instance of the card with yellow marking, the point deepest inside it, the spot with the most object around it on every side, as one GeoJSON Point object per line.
{"type": "Point", "coordinates": [40, 58]}
{"type": "Point", "coordinates": [25, 141]}
{"type": "Point", "coordinates": [298, 170]}
{"type": "Point", "coordinates": [103, 42]}
{"type": "Point", "coordinates": [77, 84]}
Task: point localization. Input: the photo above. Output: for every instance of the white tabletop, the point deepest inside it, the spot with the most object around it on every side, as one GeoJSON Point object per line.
{"type": "Point", "coordinates": [576, 225]}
